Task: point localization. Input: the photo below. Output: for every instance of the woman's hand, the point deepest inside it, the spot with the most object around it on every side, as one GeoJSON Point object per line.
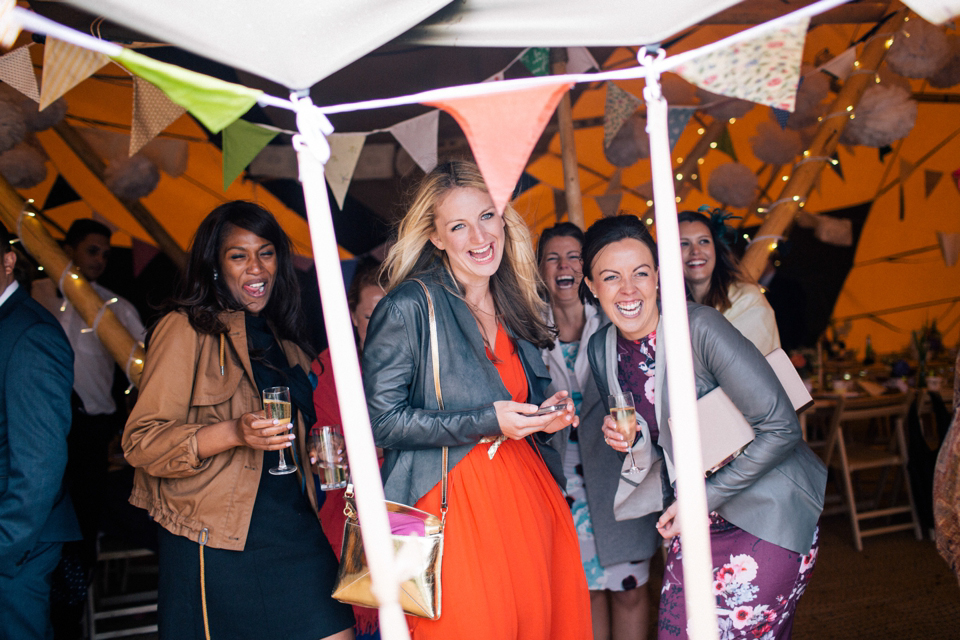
{"type": "Point", "coordinates": [669, 524]}
{"type": "Point", "coordinates": [254, 430]}
{"type": "Point", "coordinates": [516, 421]}
{"type": "Point", "coordinates": [561, 419]}
{"type": "Point", "coordinates": [613, 437]}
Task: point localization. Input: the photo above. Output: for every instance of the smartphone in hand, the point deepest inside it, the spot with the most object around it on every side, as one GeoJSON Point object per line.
{"type": "Point", "coordinates": [542, 411]}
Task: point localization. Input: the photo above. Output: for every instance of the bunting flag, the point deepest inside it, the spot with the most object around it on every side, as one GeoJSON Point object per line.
{"type": "Point", "coordinates": [16, 70]}
{"type": "Point", "coordinates": [497, 77]}
{"type": "Point", "coordinates": [64, 67]}
{"type": "Point", "coordinates": [906, 168]}
{"type": "Point", "coordinates": [677, 119]}
{"type": "Point", "coordinates": [615, 183]}
{"type": "Point", "coordinates": [881, 151]}
{"type": "Point", "coordinates": [725, 144]}
{"type": "Point", "coordinates": [835, 165]}
{"type": "Point", "coordinates": [765, 70]}
{"type": "Point", "coordinates": [60, 193]}
{"type": "Point", "coordinates": [276, 162]}
{"type": "Point", "coordinates": [840, 66]}
{"type": "Point", "coordinates": [620, 105]}
{"type": "Point", "coordinates": [781, 116]}
{"type": "Point", "coordinates": [502, 129]}
{"type": "Point", "coordinates": [143, 253]}
{"type": "Point", "coordinates": [956, 177]}
{"type": "Point", "coordinates": [215, 103]}
{"type": "Point", "coordinates": [695, 181]}
{"type": "Point", "coordinates": [537, 60]}
{"type": "Point", "coordinates": [609, 203]}
{"type": "Point", "coordinates": [949, 247]}
{"type": "Point", "coordinates": [152, 113]}
{"type": "Point", "coordinates": [419, 137]}
{"type": "Point", "coordinates": [580, 60]}
{"type": "Point", "coordinates": [345, 150]}
{"type": "Point", "coordinates": [242, 142]}
{"type": "Point", "coordinates": [935, 11]}
{"type": "Point", "coordinates": [931, 180]}
{"type": "Point", "coordinates": [525, 183]}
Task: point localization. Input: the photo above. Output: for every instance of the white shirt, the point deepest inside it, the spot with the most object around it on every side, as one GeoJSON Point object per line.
{"type": "Point", "coordinates": [92, 363]}
{"type": "Point", "coordinates": [8, 292]}
{"type": "Point", "coordinates": [751, 313]}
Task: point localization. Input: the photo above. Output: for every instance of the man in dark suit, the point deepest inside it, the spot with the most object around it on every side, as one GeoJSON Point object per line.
{"type": "Point", "coordinates": [36, 516]}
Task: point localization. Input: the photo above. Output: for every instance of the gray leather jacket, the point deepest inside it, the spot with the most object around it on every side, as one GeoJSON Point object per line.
{"type": "Point", "coordinates": [775, 488]}
{"type": "Point", "coordinates": [398, 381]}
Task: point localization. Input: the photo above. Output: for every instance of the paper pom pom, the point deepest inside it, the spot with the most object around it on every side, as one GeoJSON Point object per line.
{"type": "Point", "coordinates": [132, 178]}
{"type": "Point", "coordinates": [723, 107]}
{"type": "Point", "coordinates": [810, 95]}
{"type": "Point", "coordinates": [835, 231]}
{"type": "Point", "coordinates": [630, 144]}
{"type": "Point", "coordinates": [42, 120]}
{"type": "Point", "coordinates": [733, 184]}
{"type": "Point", "coordinates": [885, 114]}
{"type": "Point", "coordinates": [13, 127]}
{"type": "Point", "coordinates": [24, 166]}
{"type": "Point", "coordinates": [775, 145]}
{"type": "Point", "coordinates": [919, 49]}
{"type": "Point", "coordinates": [949, 74]}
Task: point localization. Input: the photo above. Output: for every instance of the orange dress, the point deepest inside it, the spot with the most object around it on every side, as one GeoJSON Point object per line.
{"type": "Point", "coordinates": [511, 560]}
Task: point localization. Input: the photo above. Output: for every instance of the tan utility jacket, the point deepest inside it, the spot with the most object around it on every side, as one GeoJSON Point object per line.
{"type": "Point", "coordinates": [182, 390]}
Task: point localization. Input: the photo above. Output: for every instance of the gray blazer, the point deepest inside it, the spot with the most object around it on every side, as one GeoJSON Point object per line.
{"type": "Point", "coordinates": [775, 488]}
{"type": "Point", "coordinates": [398, 381]}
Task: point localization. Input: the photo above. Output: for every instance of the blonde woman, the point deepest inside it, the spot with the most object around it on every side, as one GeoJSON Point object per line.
{"type": "Point", "coordinates": [511, 566]}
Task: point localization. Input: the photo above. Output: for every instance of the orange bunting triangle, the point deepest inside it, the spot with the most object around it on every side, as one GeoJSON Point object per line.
{"type": "Point", "coordinates": [502, 129]}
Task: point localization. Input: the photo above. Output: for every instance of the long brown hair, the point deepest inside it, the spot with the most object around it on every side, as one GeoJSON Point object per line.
{"type": "Point", "coordinates": [516, 286]}
{"type": "Point", "coordinates": [726, 269]}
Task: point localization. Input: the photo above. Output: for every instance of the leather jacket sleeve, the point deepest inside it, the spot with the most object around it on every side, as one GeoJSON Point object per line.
{"type": "Point", "coordinates": [738, 367]}
{"type": "Point", "coordinates": [398, 381]}
{"type": "Point", "coordinates": [157, 437]}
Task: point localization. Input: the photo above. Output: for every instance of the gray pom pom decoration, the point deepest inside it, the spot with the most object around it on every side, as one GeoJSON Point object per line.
{"type": "Point", "coordinates": [775, 145]}
{"type": "Point", "coordinates": [723, 107]}
{"type": "Point", "coordinates": [630, 144]}
{"type": "Point", "coordinates": [13, 126]}
{"type": "Point", "coordinates": [812, 92]}
{"type": "Point", "coordinates": [132, 178]}
{"type": "Point", "coordinates": [885, 114]}
{"type": "Point", "coordinates": [733, 184]}
{"type": "Point", "coordinates": [949, 74]}
{"type": "Point", "coordinates": [24, 166]}
{"type": "Point", "coordinates": [919, 49]}
{"type": "Point", "coordinates": [42, 120]}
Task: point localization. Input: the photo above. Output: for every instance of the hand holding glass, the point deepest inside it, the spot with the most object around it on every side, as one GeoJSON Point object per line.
{"type": "Point", "coordinates": [625, 417]}
{"type": "Point", "coordinates": [276, 404]}
{"type": "Point", "coordinates": [326, 457]}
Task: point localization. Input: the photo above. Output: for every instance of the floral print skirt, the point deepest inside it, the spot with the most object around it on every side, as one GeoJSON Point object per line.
{"type": "Point", "coordinates": [757, 585]}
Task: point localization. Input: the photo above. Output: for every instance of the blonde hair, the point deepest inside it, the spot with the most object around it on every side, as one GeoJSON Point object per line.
{"type": "Point", "coordinates": [516, 286]}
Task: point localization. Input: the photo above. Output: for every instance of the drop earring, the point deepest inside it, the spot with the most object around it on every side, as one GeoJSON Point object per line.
{"type": "Point", "coordinates": [216, 274]}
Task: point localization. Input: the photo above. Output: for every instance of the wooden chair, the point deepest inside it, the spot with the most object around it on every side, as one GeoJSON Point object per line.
{"type": "Point", "coordinates": [850, 455]}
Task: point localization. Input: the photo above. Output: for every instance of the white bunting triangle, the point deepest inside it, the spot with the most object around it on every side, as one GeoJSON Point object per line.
{"type": "Point", "coordinates": [419, 137]}
{"type": "Point", "coordinates": [153, 112]}
{"type": "Point", "coordinates": [580, 60]}
{"type": "Point", "coordinates": [64, 67]}
{"type": "Point", "coordinates": [345, 149]}
{"type": "Point", "coordinates": [16, 70]}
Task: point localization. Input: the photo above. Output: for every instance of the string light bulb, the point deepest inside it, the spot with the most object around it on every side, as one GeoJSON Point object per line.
{"type": "Point", "coordinates": [701, 131]}
{"type": "Point", "coordinates": [679, 176]}
{"type": "Point", "coordinates": [713, 145]}
{"type": "Point", "coordinates": [732, 120]}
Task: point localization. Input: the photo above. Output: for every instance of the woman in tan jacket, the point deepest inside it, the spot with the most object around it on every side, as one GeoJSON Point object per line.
{"type": "Point", "coordinates": [242, 554]}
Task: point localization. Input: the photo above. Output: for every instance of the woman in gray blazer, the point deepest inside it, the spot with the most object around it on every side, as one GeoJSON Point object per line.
{"type": "Point", "coordinates": [765, 503]}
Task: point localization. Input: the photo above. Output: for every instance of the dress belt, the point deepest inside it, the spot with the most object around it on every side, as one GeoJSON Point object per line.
{"type": "Point", "coordinates": [496, 440]}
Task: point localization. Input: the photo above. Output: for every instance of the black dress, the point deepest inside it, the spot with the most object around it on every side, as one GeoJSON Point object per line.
{"type": "Point", "coordinates": [279, 586]}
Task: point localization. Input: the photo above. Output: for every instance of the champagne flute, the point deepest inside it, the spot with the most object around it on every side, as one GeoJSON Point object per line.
{"type": "Point", "coordinates": [276, 404]}
{"type": "Point", "coordinates": [625, 416]}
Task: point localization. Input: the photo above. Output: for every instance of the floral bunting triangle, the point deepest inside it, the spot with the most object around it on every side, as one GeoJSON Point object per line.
{"type": "Point", "coordinates": [16, 70]}
{"type": "Point", "coordinates": [345, 150]}
{"type": "Point", "coordinates": [242, 142]}
{"type": "Point", "coordinates": [419, 137]}
{"type": "Point", "coordinates": [620, 105]}
{"type": "Point", "coordinates": [64, 67]}
{"type": "Point", "coordinates": [502, 129]}
{"type": "Point", "coordinates": [765, 69]}
{"type": "Point", "coordinates": [931, 179]}
{"type": "Point", "coordinates": [214, 102]}
{"type": "Point", "coordinates": [677, 119]}
{"type": "Point", "coordinates": [153, 112]}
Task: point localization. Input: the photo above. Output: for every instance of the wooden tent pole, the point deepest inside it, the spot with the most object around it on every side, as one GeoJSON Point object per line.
{"type": "Point", "coordinates": [795, 192]}
{"type": "Point", "coordinates": [571, 172]}
{"type": "Point", "coordinates": [89, 157]}
{"type": "Point", "coordinates": [21, 218]}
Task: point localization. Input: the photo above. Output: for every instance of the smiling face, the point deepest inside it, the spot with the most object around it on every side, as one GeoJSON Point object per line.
{"type": "Point", "coordinates": [471, 232]}
{"type": "Point", "coordinates": [248, 267]}
{"type": "Point", "coordinates": [370, 295]}
{"type": "Point", "coordinates": [698, 253]}
{"type": "Point", "coordinates": [561, 268]}
{"type": "Point", "coordinates": [625, 283]}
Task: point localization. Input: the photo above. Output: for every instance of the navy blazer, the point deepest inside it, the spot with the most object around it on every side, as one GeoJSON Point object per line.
{"type": "Point", "coordinates": [36, 377]}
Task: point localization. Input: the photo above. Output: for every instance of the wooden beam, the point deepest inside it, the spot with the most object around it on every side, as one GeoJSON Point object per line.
{"type": "Point", "coordinates": [568, 148]}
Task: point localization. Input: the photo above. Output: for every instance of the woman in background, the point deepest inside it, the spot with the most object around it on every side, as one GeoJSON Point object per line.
{"type": "Point", "coordinates": [615, 555]}
{"type": "Point", "coordinates": [242, 554]}
{"type": "Point", "coordinates": [714, 278]}
{"type": "Point", "coordinates": [510, 562]}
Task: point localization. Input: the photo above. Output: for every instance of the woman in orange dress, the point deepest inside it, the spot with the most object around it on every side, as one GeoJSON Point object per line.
{"type": "Point", "coordinates": [511, 563]}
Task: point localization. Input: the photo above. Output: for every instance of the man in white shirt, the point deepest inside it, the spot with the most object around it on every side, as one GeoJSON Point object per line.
{"type": "Point", "coordinates": [96, 417]}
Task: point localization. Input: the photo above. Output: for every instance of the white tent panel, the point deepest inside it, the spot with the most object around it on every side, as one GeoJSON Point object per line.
{"type": "Point", "coordinates": [294, 42]}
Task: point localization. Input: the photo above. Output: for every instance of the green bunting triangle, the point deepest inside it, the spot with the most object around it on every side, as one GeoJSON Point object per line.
{"type": "Point", "coordinates": [537, 60]}
{"type": "Point", "coordinates": [214, 102]}
{"type": "Point", "coordinates": [725, 144]}
{"type": "Point", "coordinates": [242, 141]}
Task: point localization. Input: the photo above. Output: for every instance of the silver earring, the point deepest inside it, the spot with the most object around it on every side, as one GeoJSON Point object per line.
{"type": "Point", "coordinates": [216, 274]}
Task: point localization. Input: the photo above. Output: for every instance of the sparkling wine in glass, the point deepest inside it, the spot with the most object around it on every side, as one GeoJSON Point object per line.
{"type": "Point", "coordinates": [276, 404]}
{"type": "Point", "coordinates": [625, 417]}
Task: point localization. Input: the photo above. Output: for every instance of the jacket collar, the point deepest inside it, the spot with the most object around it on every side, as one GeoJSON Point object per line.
{"type": "Point", "coordinates": [15, 298]}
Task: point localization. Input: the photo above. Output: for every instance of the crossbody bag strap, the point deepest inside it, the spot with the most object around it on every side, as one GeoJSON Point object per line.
{"type": "Point", "coordinates": [435, 356]}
